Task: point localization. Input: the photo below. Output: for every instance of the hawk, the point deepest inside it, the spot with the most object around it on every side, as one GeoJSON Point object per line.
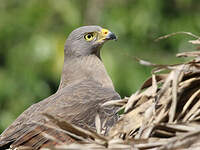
{"type": "Point", "coordinates": [84, 87]}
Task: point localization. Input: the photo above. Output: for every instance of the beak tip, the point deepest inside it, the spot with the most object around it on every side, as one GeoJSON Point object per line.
{"type": "Point", "coordinates": [112, 36]}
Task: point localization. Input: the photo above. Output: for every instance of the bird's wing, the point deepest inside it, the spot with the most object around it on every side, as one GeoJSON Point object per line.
{"type": "Point", "coordinates": [77, 104]}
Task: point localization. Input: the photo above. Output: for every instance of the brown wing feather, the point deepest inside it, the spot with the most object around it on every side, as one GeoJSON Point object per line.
{"type": "Point", "coordinates": [77, 104]}
{"type": "Point", "coordinates": [35, 138]}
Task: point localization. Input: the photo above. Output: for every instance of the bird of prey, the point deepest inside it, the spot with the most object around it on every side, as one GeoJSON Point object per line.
{"type": "Point", "coordinates": [84, 87]}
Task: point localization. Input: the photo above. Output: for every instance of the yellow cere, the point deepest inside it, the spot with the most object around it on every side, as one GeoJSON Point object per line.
{"type": "Point", "coordinates": [102, 35]}
{"type": "Point", "coordinates": [104, 32]}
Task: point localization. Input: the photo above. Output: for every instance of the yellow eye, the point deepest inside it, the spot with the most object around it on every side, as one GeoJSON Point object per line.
{"type": "Point", "coordinates": [89, 36]}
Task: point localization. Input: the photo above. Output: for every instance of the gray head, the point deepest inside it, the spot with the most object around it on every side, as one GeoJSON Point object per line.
{"type": "Point", "coordinates": [87, 40]}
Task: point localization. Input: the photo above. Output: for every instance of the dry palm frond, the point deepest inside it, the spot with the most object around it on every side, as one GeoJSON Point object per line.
{"type": "Point", "coordinates": [163, 114]}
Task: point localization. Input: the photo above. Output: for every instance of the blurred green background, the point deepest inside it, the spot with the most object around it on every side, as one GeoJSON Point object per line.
{"type": "Point", "coordinates": [33, 33]}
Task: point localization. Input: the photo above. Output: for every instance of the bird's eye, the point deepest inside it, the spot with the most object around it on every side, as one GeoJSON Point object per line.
{"type": "Point", "coordinates": [89, 36]}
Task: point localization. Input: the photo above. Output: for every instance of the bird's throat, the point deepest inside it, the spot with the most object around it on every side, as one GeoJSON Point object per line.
{"type": "Point", "coordinates": [83, 68]}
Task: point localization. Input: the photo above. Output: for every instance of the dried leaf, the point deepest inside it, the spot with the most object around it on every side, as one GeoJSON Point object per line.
{"type": "Point", "coordinates": [195, 41]}
{"type": "Point", "coordinates": [188, 54]}
{"type": "Point", "coordinates": [175, 33]}
{"type": "Point", "coordinates": [98, 123]}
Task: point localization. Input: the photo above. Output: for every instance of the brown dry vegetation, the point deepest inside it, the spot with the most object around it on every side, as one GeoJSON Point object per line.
{"type": "Point", "coordinates": [164, 114]}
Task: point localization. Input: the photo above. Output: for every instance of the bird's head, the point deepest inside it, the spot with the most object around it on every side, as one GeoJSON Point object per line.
{"type": "Point", "coordinates": [87, 40]}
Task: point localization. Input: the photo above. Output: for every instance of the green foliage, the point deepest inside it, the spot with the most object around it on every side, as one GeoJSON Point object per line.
{"type": "Point", "coordinates": [33, 33]}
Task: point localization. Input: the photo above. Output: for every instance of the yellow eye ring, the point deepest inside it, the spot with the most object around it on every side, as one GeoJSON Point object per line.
{"type": "Point", "coordinates": [89, 36]}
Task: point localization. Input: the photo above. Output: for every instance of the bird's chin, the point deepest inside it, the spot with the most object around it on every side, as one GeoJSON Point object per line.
{"type": "Point", "coordinates": [98, 44]}
{"type": "Point", "coordinates": [101, 41]}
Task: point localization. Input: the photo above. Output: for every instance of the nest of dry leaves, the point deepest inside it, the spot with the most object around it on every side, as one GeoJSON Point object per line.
{"type": "Point", "coordinates": [164, 114]}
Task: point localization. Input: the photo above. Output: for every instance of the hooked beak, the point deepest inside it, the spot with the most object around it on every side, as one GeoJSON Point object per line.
{"type": "Point", "coordinates": [106, 35]}
{"type": "Point", "coordinates": [111, 36]}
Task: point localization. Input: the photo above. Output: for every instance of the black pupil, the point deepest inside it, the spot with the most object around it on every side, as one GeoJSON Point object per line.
{"type": "Point", "coordinates": [89, 36]}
